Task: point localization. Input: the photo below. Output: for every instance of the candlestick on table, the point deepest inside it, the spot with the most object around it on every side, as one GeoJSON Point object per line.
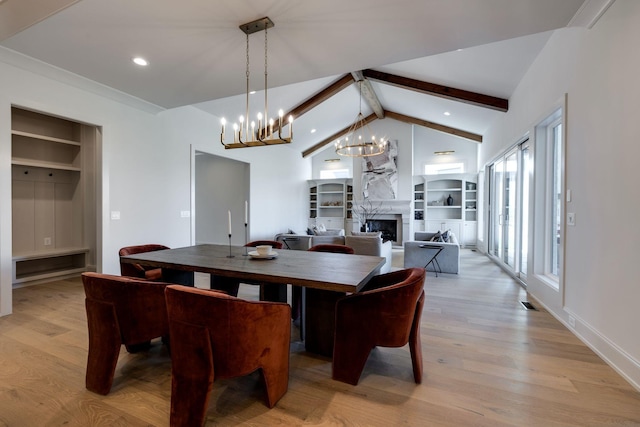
{"type": "Point", "coordinates": [230, 255]}
{"type": "Point", "coordinates": [246, 240]}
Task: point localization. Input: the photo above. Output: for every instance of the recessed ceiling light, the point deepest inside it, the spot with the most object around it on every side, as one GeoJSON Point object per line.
{"type": "Point", "coordinates": [446, 113]}
{"type": "Point", "coordinates": [140, 61]}
{"type": "Point", "coordinates": [313, 131]}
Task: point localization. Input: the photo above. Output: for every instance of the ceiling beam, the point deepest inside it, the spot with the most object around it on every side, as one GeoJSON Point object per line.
{"type": "Point", "coordinates": [435, 126]}
{"type": "Point", "coordinates": [339, 134]}
{"type": "Point", "coordinates": [369, 95]}
{"type": "Point", "coordinates": [441, 91]}
{"type": "Point", "coordinates": [317, 99]}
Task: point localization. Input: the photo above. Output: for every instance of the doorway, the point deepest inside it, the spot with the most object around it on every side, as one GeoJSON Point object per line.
{"type": "Point", "coordinates": [221, 187]}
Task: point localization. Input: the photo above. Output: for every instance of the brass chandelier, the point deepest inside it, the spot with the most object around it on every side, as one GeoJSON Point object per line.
{"type": "Point", "coordinates": [357, 143]}
{"type": "Point", "coordinates": [267, 132]}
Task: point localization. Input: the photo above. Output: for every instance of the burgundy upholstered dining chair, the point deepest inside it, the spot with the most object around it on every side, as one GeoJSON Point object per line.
{"type": "Point", "coordinates": [220, 336]}
{"type": "Point", "coordinates": [137, 270]}
{"type": "Point", "coordinates": [120, 310]}
{"type": "Point", "coordinates": [385, 313]}
{"type": "Point", "coordinates": [271, 292]}
{"type": "Point", "coordinates": [297, 301]}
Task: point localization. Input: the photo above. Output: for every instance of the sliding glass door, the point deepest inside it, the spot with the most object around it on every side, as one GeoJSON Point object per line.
{"type": "Point", "coordinates": [510, 210]}
{"type": "Point", "coordinates": [509, 206]}
{"type": "Point", "coordinates": [526, 176]}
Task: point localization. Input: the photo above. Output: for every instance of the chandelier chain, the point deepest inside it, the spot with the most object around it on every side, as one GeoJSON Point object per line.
{"type": "Point", "coordinates": [247, 100]}
{"type": "Point", "coordinates": [266, 106]}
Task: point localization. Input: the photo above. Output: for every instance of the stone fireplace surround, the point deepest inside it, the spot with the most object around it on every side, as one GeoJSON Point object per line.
{"type": "Point", "coordinates": [399, 210]}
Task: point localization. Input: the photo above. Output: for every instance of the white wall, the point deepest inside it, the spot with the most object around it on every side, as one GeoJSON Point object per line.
{"type": "Point", "coordinates": [147, 163]}
{"type": "Point", "coordinates": [426, 141]}
{"type": "Point", "coordinates": [319, 163]}
{"type": "Point", "coordinates": [598, 69]}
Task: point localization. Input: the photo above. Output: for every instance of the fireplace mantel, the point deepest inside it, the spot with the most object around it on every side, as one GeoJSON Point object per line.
{"type": "Point", "coordinates": [390, 209]}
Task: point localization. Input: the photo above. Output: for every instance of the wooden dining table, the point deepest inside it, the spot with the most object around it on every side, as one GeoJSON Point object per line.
{"type": "Point", "coordinates": [325, 276]}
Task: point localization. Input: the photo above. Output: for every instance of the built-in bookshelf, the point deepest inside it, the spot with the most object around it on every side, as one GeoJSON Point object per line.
{"type": "Point", "coordinates": [446, 202]}
{"type": "Point", "coordinates": [330, 202]}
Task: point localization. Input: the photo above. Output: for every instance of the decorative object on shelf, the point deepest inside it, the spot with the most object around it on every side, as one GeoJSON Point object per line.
{"type": "Point", "coordinates": [449, 200]}
{"type": "Point", "coordinates": [367, 211]}
{"type": "Point", "coordinates": [357, 143]}
{"type": "Point", "coordinates": [265, 133]}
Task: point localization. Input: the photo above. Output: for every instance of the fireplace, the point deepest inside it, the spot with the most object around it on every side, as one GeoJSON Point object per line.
{"type": "Point", "coordinates": [393, 220]}
{"type": "Point", "coordinates": [388, 227]}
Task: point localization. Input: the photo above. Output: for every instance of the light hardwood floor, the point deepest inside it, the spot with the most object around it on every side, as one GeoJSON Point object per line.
{"type": "Point", "coordinates": [487, 362]}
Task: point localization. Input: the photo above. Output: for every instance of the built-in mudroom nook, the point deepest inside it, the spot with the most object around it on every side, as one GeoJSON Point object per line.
{"type": "Point", "coordinates": [54, 202]}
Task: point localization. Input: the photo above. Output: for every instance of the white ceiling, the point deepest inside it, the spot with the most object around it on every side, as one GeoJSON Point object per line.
{"type": "Point", "coordinates": [197, 52]}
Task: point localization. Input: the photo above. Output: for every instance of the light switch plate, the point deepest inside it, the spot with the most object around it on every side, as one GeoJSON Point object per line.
{"type": "Point", "coordinates": [115, 214]}
{"type": "Point", "coordinates": [571, 218]}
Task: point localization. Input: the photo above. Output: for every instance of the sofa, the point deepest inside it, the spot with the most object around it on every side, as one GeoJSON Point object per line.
{"type": "Point", "coordinates": [448, 259]}
{"type": "Point", "coordinates": [364, 244]}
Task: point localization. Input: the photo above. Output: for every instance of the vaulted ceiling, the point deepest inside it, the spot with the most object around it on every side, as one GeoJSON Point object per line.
{"type": "Point", "coordinates": [474, 52]}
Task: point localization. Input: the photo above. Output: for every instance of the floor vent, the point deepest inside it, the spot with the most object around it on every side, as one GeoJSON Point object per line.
{"type": "Point", "coordinates": [528, 305]}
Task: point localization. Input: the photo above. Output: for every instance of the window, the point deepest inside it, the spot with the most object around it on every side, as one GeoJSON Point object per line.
{"type": "Point", "coordinates": [555, 196]}
{"type": "Point", "coordinates": [549, 206]}
{"type": "Point", "coordinates": [334, 173]}
{"type": "Point", "coordinates": [439, 168]}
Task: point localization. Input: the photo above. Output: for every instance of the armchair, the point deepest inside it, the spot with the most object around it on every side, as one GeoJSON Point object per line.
{"type": "Point", "coordinates": [271, 292]}
{"type": "Point", "coordinates": [137, 270]}
{"type": "Point", "coordinates": [220, 336]}
{"type": "Point", "coordinates": [386, 313]}
{"type": "Point", "coordinates": [120, 310]}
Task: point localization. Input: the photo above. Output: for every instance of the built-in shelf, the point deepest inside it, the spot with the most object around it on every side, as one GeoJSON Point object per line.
{"type": "Point", "coordinates": [330, 202]}
{"type": "Point", "coordinates": [53, 214]}
{"type": "Point", "coordinates": [432, 213]}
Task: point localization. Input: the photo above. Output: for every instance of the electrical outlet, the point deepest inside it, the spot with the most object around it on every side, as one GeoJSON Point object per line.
{"type": "Point", "coordinates": [572, 321]}
{"type": "Point", "coordinates": [47, 241]}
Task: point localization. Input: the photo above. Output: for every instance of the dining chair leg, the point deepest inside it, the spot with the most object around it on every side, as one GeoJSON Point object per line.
{"type": "Point", "coordinates": [349, 358]}
{"type": "Point", "coordinates": [191, 378]}
{"type": "Point", "coordinates": [415, 345]}
{"type": "Point", "coordinates": [104, 346]}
